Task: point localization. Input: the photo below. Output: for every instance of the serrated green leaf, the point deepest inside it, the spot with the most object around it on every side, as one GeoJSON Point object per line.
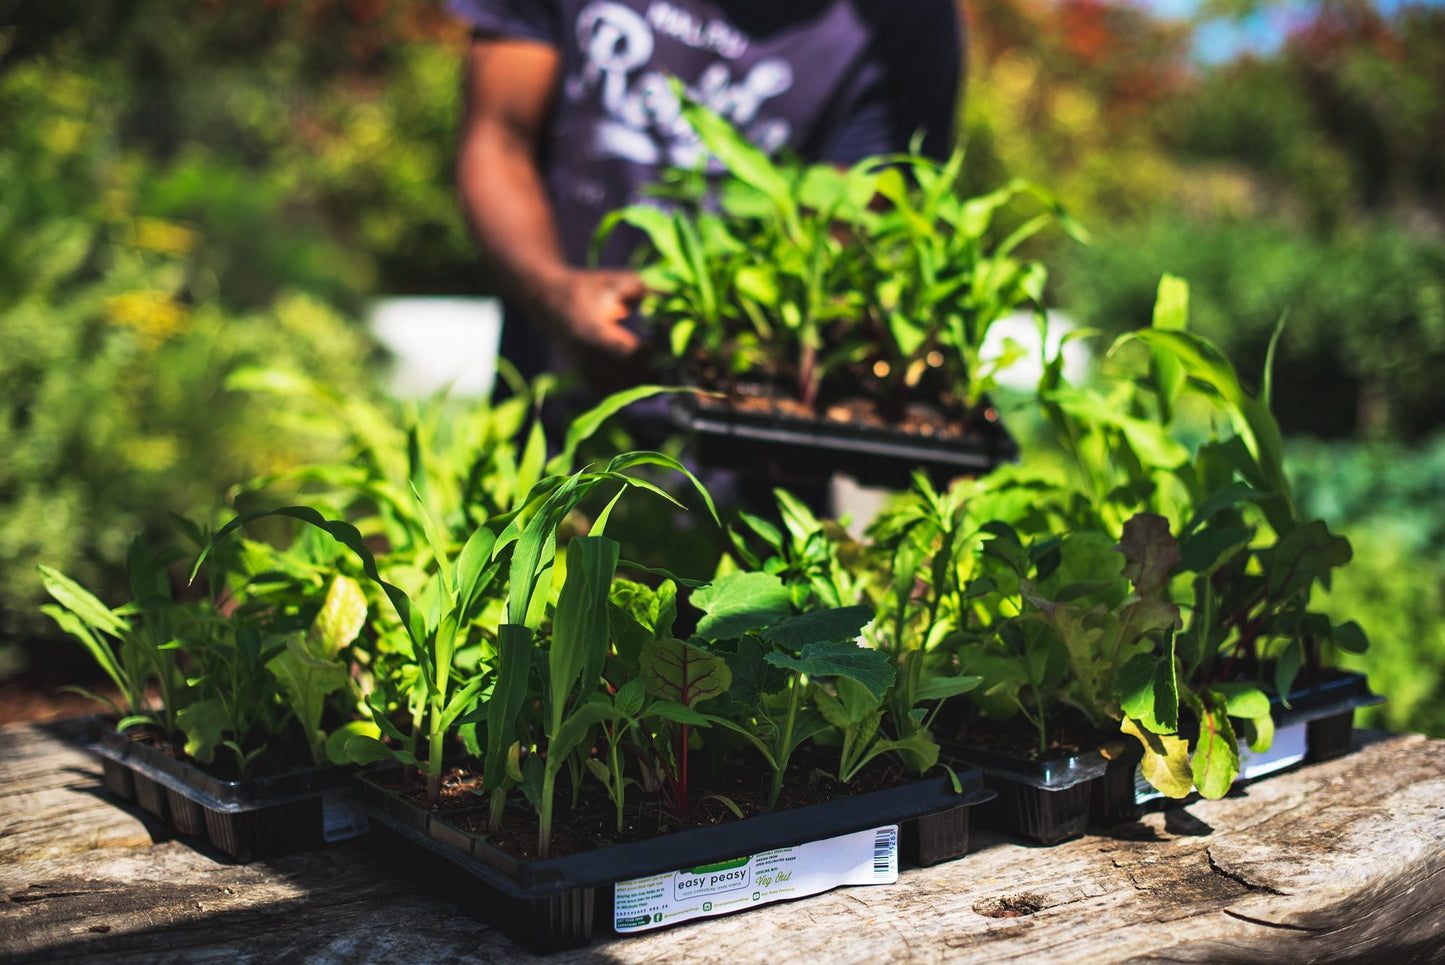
{"type": "Point", "coordinates": [841, 658]}
{"type": "Point", "coordinates": [819, 626]}
{"type": "Point", "coordinates": [739, 602]}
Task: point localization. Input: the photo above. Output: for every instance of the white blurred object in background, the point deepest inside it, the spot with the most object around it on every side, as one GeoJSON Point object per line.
{"type": "Point", "coordinates": [439, 342]}
{"type": "Point", "coordinates": [1024, 374]}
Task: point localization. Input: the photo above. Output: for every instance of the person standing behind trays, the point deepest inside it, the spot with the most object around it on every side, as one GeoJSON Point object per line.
{"type": "Point", "coordinates": [569, 114]}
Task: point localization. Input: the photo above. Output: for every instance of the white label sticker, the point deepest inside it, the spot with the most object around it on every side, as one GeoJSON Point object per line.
{"type": "Point", "coordinates": [862, 858]}
{"type": "Point", "coordinates": [1287, 750]}
{"type": "Point", "coordinates": [340, 819]}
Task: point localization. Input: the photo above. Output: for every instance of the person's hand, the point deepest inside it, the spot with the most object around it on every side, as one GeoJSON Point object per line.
{"type": "Point", "coordinates": [586, 311]}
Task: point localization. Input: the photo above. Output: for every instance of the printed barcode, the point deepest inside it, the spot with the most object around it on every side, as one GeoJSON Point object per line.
{"type": "Point", "coordinates": [884, 840]}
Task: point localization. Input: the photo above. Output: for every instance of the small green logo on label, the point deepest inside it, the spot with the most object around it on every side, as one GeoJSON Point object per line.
{"type": "Point", "coordinates": [703, 869]}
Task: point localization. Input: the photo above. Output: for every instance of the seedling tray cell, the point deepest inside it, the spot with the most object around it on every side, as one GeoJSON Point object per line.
{"type": "Point", "coordinates": [1052, 800]}
{"type": "Point", "coordinates": [802, 448]}
{"type": "Point", "coordinates": [247, 819]}
{"type": "Point", "coordinates": [553, 903]}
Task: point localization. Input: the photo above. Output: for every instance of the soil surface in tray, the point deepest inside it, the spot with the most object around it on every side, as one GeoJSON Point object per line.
{"type": "Point", "coordinates": [593, 823]}
{"type": "Point", "coordinates": [1068, 733]}
{"type": "Point", "coordinates": [280, 757]}
{"type": "Point", "coordinates": [915, 419]}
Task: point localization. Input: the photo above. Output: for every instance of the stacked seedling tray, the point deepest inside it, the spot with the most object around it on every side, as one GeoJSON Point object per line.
{"type": "Point", "coordinates": [254, 818]}
{"type": "Point", "coordinates": [561, 902]}
{"type": "Point", "coordinates": [798, 448]}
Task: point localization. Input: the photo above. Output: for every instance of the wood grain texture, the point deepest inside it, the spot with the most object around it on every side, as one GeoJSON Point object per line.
{"type": "Point", "coordinates": [1342, 861]}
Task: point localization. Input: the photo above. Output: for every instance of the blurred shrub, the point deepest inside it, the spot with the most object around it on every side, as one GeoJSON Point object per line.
{"type": "Point", "coordinates": [115, 344]}
{"type": "Point", "coordinates": [311, 140]}
{"type": "Point", "coordinates": [1347, 116]}
{"type": "Point", "coordinates": [1387, 499]}
{"type": "Point", "coordinates": [1364, 339]}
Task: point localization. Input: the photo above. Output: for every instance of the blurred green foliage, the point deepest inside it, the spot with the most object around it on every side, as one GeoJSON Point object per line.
{"type": "Point", "coordinates": [1389, 497]}
{"type": "Point", "coordinates": [1364, 339]}
{"type": "Point", "coordinates": [118, 327]}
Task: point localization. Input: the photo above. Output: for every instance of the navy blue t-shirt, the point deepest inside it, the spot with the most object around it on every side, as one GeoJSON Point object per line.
{"type": "Point", "coordinates": [831, 80]}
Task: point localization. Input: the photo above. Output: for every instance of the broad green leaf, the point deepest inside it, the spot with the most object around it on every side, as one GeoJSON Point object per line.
{"type": "Point", "coordinates": [941, 688]}
{"type": "Point", "coordinates": [1227, 497]}
{"type": "Point", "coordinates": [630, 696]}
{"type": "Point", "coordinates": [1205, 550]}
{"type": "Point", "coordinates": [1165, 764]}
{"type": "Point", "coordinates": [1171, 311]}
{"type": "Point", "coordinates": [819, 626]}
{"type": "Point", "coordinates": [336, 742]}
{"type": "Point", "coordinates": [1138, 690]}
{"type": "Point", "coordinates": [204, 724]}
{"type": "Point", "coordinates": [364, 749]}
{"type": "Point", "coordinates": [918, 751]}
{"type": "Point", "coordinates": [574, 730]}
{"type": "Point", "coordinates": [1259, 733]}
{"type": "Point", "coordinates": [739, 602]}
{"type": "Point", "coordinates": [1303, 556]}
{"type": "Point", "coordinates": [306, 679]}
{"type": "Point", "coordinates": [1350, 637]}
{"type": "Point", "coordinates": [852, 705]}
{"type": "Point", "coordinates": [840, 658]}
{"type": "Point", "coordinates": [680, 672]}
{"type": "Point", "coordinates": [1215, 761]}
{"type": "Point", "coordinates": [1242, 700]}
{"type": "Point", "coordinates": [341, 617]}
{"type": "Point", "coordinates": [752, 675]}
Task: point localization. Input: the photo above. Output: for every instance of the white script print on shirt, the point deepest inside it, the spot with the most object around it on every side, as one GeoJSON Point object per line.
{"type": "Point", "coordinates": [642, 120]}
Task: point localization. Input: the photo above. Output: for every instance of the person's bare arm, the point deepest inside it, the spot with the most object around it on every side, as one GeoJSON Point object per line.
{"type": "Point", "coordinates": [509, 86]}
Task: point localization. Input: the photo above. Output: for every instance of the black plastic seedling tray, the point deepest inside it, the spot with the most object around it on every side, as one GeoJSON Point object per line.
{"type": "Point", "coordinates": [802, 448]}
{"type": "Point", "coordinates": [254, 818]}
{"type": "Point", "coordinates": [556, 903]}
{"type": "Point", "coordinates": [1055, 799]}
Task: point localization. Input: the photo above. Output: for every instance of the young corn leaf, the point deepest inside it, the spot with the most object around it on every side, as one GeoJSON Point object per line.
{"type": "Point", "coordinates": [509, 691]}
{"type": "Point", "coordinates": [579, 625]}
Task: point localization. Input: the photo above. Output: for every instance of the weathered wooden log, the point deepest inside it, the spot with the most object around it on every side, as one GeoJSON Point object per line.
{"type": "Point", "coordinates": [1340, 861]}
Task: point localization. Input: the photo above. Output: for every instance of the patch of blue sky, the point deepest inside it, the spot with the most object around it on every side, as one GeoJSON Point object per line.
{"type": "Point", "coordinates": [1261, 33]}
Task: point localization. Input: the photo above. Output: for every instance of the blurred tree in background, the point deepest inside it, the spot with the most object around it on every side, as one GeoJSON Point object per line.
{"type": "Point", "coordinates": [190, 187]}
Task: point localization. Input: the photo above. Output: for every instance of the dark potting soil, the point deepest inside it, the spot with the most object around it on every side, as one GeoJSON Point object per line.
{"type": "Point", "coordinates": [860, 412]}
{"type": "Point", "coordinates": [1068, 734]}
{"type": "Point", "coordinates": [283, 757]}
{"type": "Point", "coordinates": [593, 822]}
